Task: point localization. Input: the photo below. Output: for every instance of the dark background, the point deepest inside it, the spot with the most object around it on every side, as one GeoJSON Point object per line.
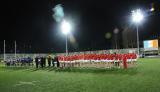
{"type": "Point", "coordinates": [31, 24]}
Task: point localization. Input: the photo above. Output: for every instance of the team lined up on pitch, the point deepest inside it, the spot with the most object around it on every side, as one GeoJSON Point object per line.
{"type": "Point", "coordinates": [80, 60]}
{"type": "Point", "coordinates": [99, 60]}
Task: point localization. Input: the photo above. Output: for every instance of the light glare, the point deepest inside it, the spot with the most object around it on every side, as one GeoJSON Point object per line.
{"type": "Point", "coordinates": [65, 27]}
{"type": "Point", "coordinates": [137, 16]}
{"type": "Point", "coordinates": [152, 9]}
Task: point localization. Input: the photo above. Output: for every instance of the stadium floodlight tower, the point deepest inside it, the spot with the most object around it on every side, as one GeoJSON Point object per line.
{"type": "Point", "coordinates": [137, 18]}
{"type": "Point", "coordinates": [66, 29]}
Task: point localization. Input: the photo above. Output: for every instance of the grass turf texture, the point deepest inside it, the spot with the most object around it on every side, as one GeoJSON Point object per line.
{"type": "Point", "coordinates": [144, 78]}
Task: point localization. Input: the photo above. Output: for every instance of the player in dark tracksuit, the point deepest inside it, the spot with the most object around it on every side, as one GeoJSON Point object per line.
{"type": "Point", "coordinates": [49, 61]}
{"type": "Point", "coordinates": [36, 61]}
{"type": "Point", "coordinates": [53, 60]}
{"type": "Point", "coordinates": [42, 62]}
{"type": "Point", "coordinates": [56, 59]}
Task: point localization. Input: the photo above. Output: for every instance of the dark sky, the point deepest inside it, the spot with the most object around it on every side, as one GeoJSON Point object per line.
{"type": "Point", "coordinates": [31, 24]}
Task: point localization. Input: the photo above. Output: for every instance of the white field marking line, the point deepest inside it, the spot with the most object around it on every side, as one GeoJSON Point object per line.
{"type": "Point", "coordinates": [25, 83]}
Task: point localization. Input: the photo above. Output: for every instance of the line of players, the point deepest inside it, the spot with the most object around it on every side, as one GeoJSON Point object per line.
{"type": "Point", "coordinates": [40, 61]}
{"type": "Point", "coordinates": [98, 60]}
{"type": "Point", "coordinates": [82, 60]}
{"type": "Point", "coordinates": [19, 61]}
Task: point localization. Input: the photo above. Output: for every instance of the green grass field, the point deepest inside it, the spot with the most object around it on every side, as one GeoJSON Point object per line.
{"type": "Point", "coordinates": [144, 78]}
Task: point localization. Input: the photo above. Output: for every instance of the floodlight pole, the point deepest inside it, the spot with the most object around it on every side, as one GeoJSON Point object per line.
{"type": "Point", "coordinates": [116, 47]}
{"type": "Point", "coordinates": [4, 57]}
{"type": "Point", "coordinates": [137, 39]}
{"type": "Point", "coordinates": [66, 44]}
{"type": "Point", "coordinates": [15, 50]}
{"type": "Point", "coordinates": [137, 18]}
{"type": "Point", "coordinates": [66, 28]}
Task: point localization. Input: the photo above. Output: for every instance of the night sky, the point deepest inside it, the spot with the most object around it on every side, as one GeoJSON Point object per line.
{"type": "Point", "coordinates": [31, 24]}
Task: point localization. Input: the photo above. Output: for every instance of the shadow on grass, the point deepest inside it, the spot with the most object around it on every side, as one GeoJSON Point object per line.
{"type": "Point", "coordinates": [130, 71]}
{"type": "Point", "coordinates": [26, 68]}
{"type": "Point", "coordinates": [14, 68]}
{"type": "Point", "coordinates": [42, 69]}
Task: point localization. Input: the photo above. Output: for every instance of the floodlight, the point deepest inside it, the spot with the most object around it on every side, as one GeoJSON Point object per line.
{"type": "Point", "coordinates": [65, 27]}
{"type": "Point", "coordinates": [137, 16]}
